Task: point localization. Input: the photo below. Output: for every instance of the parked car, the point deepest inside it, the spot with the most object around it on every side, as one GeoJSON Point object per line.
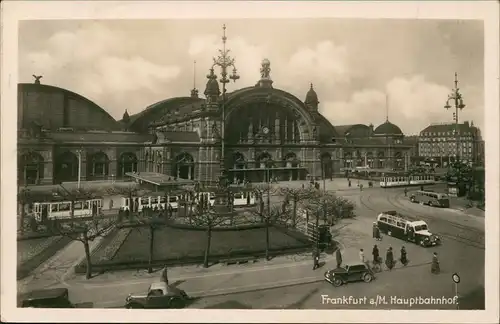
{"type": "Point", "coordinates": [49, 298]}
{"type": "Point", "coordinates": [159, 295]}
{"type": "Point", "coordinates": [349, 273]}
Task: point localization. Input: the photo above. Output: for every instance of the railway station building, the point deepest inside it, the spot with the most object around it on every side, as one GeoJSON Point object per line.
{"type": "Point", "coordinates": [269, 132]}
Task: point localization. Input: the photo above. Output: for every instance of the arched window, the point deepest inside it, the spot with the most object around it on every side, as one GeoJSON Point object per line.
{"type": "Point", "coordinates": [66, 167]}
{"type": "Point", "coordinates": [292, 163]}
{"type": "Point", "coordinates": [146, 161]}
{"type": "Point", "coordinates": [326, 165]}
{"type": "Point", "coordinates": [127, 163]}
{"type": "Point", "coordinates": [159, 162]}
{"type": "Point", "coordinates": [184, 166]}
{"type": "Point", "coordinates": [30, 167]}
{"type": "Point", "coordinates": [264, 160]}
{"type": "Point", "coordinates": [98, 166]}
{"type": "Point", "coordinates": [238, 161]}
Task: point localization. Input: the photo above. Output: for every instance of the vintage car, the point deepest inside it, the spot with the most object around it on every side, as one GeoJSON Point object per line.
{"type": "Point", "coordinates": [159, 295]}
{"type": "Point", "coordinates": [352, 272]}
{"type": "Point", "coordinates": [49, 298]}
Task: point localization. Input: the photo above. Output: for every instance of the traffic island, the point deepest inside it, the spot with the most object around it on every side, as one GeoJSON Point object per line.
{"type": "Point", "coordinates": [180, 245]}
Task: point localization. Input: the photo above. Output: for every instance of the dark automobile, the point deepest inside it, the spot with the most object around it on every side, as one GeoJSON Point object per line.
{"type": "Point", "coordinates": [349, 273]}
{"type": "Point", "coordinates": [159, 295]}
{"type": "Point", "coordinates": [48, 298]}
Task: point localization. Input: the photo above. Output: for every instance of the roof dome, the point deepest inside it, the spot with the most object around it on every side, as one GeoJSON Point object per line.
{"type": "Point", "coordinates": [388, 128]}
{"type": "Point", "coordinates": [212, 88]}
{"type": "Point", "coordinates": [311, 96]}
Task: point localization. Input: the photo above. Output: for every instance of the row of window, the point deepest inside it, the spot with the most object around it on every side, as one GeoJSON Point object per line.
{"type": "Point", "coordinates": [453, 144]}
{"type": "Point", "coordinates": [452, 132]}
{"type": "Point", "coordinates": [444, 139]}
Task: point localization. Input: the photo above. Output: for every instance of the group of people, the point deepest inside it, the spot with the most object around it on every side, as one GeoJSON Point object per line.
{"type": "Point", "coordinates": [389, 257]}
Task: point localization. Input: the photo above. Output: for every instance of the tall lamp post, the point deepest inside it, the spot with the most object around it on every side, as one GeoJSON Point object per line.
{"type": "Point", "coordinates": [224, 61]}
{"type": "Point", "coordinates": [79, 153]}
{"type": "Point", "coordinates": [456, 97]}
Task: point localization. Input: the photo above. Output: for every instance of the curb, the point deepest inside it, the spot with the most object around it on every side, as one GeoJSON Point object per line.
{"type": "Point", "coordinates": [247, 289]}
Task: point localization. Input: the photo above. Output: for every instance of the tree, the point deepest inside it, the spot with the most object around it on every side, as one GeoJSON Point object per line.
{"type": "Point", "coordinates": [24, 198]}
{"type": "Point", "coordinates": [460, 174]}
{"type": "Point", "coordinates": [205, 216]}
{"type": "Point", "coordinates": [85, 231]}
{"type": "Point", "coordinates": [269, 215]}
{"type": "Point", "coordinates": [152, 220]}
{"type": "Point", "coordinates": [296, 195]}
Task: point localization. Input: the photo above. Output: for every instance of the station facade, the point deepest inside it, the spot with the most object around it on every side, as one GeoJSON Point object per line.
{"type": "Point", "coordinates": [269, 133]}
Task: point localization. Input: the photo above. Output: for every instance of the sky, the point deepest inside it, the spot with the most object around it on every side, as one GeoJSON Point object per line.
{"type": "Point", "coordinates": [361, 69]}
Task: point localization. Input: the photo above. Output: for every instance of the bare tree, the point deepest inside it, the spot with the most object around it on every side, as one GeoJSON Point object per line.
{"type": "Point", "coordinates": [267, 213]}
{"type": "Point", "coordinates": [24, 198]}
{"type": "Point", "coordinates": [296, 195]}
{"type": "Point", "coordinates": [152, 220]}
{"type": "Point", "coordinates": [85, 231]}
{"type": "Point", "coordinates": [205, 216]}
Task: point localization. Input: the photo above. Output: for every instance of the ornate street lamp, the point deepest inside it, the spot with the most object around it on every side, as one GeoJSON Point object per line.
{"type": "Point", "coordinates": [224, 61]}
{"type": "Point", "coordinates": [458, 103]}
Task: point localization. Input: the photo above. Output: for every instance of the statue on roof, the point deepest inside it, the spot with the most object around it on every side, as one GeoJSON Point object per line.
{"type": "Point", "coordinates": [37, 78]}
{"type": "Point", "coordinates": [265, 70]}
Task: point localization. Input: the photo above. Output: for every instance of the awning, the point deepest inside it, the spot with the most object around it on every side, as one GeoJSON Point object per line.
{"type": "Point", "coordinates": [159, 179]}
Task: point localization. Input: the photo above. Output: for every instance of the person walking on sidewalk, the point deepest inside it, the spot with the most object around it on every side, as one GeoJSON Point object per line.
{"type": "Point", "coordinates": [316, 259]}
{"type": "Point", "coordinates": [435, 264]}
{"type": "Point", "coordinates": [404, 259]}
{"type": "Point", "coordinates": [406, 192]}
{"type": "Point", "coordinates": [164, 274]}
{"type": "Point", "coordinates": [338, 257]}
{"type": "Point", "coordinates": [389, 259]}
{"type": "Point", "coordinates": [361, 255]}
{"type": "Point", "coordinates": [376, 254]}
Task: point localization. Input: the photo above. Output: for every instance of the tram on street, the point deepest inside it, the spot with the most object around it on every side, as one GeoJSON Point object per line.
{"type": "Point", "coordinates": [244, 198]}
{"type": "Point", "coordinates": [59, 210]}
{"type": "Point", "coordinates": [430, 198]}
{"type": "Point", "coordinates": [401, 181]}
{"type": "Point", "coordinates": [406, 228]}
{"type": "Point", "coordinates": [154, 201]}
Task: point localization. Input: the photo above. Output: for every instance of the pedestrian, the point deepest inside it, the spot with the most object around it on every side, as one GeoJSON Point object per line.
{"type": "Point", "coordinates": [316, 259]}
{"type": "Point", "coordinates": [362, 255]}
{"type": "Point", "coordinates": [111, 204]}
{"type": "Point", "coordinates": [435, 264]}
{"type": "Point", "coordinates": [338, 257]}
{"type": "Point", "coordinates": [374, 230]}
{"type": "Point", "coordinates": [389, 259]}
{"type": "Point", "coordinates": [164, 274]}
{"type": "Point", "coordinates": [406, 192]}
{"type": "Point", "coordinates": [349, 182]}
{"type": "Point", "coordinates": [403, 259]}
{"type": "Point", "coordinates": [376, 254]}
{"type": "Point", "coordinates": [378, 237]}
{"type": "Point", "coordinates": [361, 187]}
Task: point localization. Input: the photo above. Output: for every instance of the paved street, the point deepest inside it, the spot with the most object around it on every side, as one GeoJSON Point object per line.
{"type": "Point", "coordinates": [301, 287]}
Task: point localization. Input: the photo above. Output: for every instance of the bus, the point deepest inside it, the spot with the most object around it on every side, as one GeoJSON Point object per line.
{"type": "Point", "coordinates": [430, 198]}
{"type": "Point", "coordinates": [406, 228]}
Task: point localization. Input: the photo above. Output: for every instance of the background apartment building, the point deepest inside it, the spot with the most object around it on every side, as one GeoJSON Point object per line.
{"type": "Point", "coordinates": [438, 144]}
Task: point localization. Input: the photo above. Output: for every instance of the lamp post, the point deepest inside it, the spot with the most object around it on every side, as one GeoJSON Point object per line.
{"type": "Point", "coordinates": [79, 153]}
{"type": "Point", "coordinates": [458, 103]}
{"type": "Point", "coordinates": [224, 61]}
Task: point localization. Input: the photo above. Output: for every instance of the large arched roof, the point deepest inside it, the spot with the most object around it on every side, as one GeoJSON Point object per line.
{"type": "Point", "coordinates": [46, 87]}
{"type": "Point", "coordinates": [158, 110]}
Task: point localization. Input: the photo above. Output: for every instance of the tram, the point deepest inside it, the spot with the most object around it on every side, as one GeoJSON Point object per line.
{"type": "Point", "coordinates": [399, 181]}
{"type": "Point", "coordinates": [154, 201]}
{"type": "Point", "coordinates": [244, 198]}
{"type": "Point", "coordinates": [58, 210]}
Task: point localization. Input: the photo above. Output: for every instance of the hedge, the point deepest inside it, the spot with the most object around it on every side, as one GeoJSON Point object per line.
{"type": "Point", "coordinates": [25, 268]}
